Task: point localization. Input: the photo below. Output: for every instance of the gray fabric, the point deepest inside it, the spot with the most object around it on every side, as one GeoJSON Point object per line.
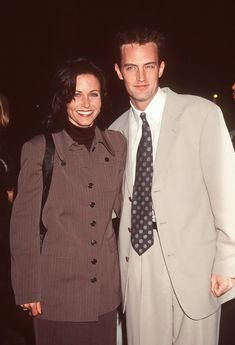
{"type": "Point", "coordinates": [193, 201]}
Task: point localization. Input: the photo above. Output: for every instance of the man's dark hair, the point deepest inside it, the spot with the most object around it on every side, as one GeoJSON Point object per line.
{"type": "Point", "coordinates": [140, 35]}
{"type": "Point", "coordinates": [64, 87]}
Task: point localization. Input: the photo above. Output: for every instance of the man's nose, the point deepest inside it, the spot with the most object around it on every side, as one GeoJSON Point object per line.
{"type": "Point", "coordinates": [141, 74]}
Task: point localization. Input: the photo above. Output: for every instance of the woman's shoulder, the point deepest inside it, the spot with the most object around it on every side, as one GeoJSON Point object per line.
{"type": "Point", "coordinates": [36, 140]}
{"type": "Point", "coordinates": [115, 135]}
{"type": "Point", "coordinates": [116, 141]}
{"type": "Point", "coordinates": [34, 146]}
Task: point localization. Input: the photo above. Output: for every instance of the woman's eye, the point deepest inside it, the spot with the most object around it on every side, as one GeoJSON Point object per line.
{"type": "Point", "coordinates": [95, 94]}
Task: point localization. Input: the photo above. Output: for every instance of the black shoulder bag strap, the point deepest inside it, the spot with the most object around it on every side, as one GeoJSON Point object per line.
{"type": "Point", "coordinates": [47, 168]}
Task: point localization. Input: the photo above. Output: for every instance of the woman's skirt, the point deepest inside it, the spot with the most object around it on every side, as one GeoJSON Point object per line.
{"type": "Point", "coordinates": [101, 332]}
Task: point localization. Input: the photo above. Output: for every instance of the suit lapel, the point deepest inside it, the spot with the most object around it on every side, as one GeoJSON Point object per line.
{"type": "Point", "coordinates": [129, 166]}
{"type": "Point", "coordinates": [168, 134]}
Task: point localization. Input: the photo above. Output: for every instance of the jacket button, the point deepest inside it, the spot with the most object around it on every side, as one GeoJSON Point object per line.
{"type": "Point", "coordinates": [129, 229]}
{"type": "Point", "coordinates": [106, 159]}
{"type": "Point", "coordinates": [63, 163]}
{"type": "Point", "coordinates": [92, 204]}
{"type": "Point", "coordinates": [93, 242]}
{"type": "Point", "coordinates": [130, 199]}
{"type": "Point", "coordinates": [127, 258]}
{"type": "Point", "coordinates": [90, 185]}
{"type": "Point", "coordinates": [93, 223]}
{"type": "Point", "coordinates": [94, 279]}
{"type": "Point", "coordinates": [94, 261]}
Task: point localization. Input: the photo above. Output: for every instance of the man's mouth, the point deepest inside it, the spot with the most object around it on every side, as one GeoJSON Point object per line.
{"type": "Point", "coordinates": [141, 86]}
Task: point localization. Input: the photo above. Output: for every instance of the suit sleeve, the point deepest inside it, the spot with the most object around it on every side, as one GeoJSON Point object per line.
{"type": "Point", "coordinates": [24, 227]}
{"type": "Point", "coordinates": [218, 166]}
{"type": "Point", "coordinates": [121, 168]}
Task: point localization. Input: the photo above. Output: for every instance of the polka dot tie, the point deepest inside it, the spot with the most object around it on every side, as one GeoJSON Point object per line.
{"type": "Point", "coordinates": [141, 211]}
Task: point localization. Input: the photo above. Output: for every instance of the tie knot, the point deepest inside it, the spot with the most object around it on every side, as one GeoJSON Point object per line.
{"type": "Point", "coordinates": [143, 116]}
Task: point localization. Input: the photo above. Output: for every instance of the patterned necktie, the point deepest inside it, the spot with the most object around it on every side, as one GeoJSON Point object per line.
{"type": "Point", "coordinates": [141, 211]}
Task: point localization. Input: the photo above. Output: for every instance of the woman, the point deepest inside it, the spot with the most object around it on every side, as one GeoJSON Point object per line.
{"type": "Point", "coordinates": [72, 287]}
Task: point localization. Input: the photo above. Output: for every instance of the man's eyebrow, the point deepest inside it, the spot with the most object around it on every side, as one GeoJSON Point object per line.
{"type": "Point", "coordinates": [150, 63]}
{"type": "Point", "coordinates": [147, 63]}
{"type": "Point", "coordinates": [129, 64]}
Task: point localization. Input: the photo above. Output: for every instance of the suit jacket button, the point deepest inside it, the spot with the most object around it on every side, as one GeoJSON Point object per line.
{"type": "Point", "coordinates": [93, 242]}
{"type": "Point", "coordinates": [94, 261]}
{"type": "Point", "coordinates": [94, 279]}
{"type": "Point", "coordinates": [90, 185]}
{"type": "Point", "coordinates": [92, 204]}
{"type": "Point", "coordinates": [130, 199]}
{"type": "Point", "coordinates": [127, 258]}
{"type": "Point", "coordinates": [129, 229]}
{"type": "Point", "coordinates": [93, 223]}
{"type": "Point", "coordinates": [106, 159]}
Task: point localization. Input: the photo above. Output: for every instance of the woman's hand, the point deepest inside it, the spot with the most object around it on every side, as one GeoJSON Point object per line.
{"type": "Point", "coordinates": [34, 308]}
{"type": "Point", "coordinates": [10, 195]}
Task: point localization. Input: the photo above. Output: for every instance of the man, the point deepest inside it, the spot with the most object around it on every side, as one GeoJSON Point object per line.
{"type": "Point", "coordinates": [174, 266]}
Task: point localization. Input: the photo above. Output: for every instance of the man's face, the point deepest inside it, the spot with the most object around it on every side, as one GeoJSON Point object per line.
{"type": "Point", "coordinates": [233, 88]}
{"type": "Point", "coordinates": [140, 71]}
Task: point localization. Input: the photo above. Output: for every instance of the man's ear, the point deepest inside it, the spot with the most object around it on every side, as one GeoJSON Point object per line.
{"type": "Point", "coordinates": [119, 73]}
{"type": "Point", "coordinates": [161, 69]}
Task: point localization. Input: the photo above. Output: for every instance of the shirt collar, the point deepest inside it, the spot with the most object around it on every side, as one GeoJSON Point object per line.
{"type": "Point", "coordinates": [154, 109]}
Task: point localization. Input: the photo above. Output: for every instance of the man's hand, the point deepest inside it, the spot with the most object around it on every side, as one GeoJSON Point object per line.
{"type": "Point", "coordinates": [34, 308]}
{"type": "Point", "coordinates": [220, 284]}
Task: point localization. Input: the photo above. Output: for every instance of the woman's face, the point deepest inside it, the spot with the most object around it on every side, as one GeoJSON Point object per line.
{"type": "Point", "coordinates": [86, 103]}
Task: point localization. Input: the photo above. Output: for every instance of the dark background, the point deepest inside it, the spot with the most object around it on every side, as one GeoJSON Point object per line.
{"type": "Point", "coordinates": [35, 37]}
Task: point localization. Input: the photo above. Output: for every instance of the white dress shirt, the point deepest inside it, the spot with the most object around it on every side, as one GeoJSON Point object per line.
{"type": "Point", "coordinates": [154, 116]}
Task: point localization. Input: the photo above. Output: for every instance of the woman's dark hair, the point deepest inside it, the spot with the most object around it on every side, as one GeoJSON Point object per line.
{"type": "Point", "coordinates": [64, 86]}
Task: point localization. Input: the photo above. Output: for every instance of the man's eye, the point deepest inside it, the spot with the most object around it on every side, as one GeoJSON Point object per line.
{"type": "Point", "coordinates": [150, 66]}
{"type": "Point", "coordinates": [130, 68]}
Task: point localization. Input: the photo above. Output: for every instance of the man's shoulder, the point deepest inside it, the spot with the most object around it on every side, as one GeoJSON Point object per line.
{"type": "Point", "coordinates": [191, 108]}
{"type": "Point", "coordinates": [188, 100]}
{"type": "Point", "coordinates": [121, 123]}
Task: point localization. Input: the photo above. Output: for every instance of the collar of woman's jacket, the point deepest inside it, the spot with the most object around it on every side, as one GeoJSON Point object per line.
{"type": "Point", "coordinates": [63, 142]}
{"type": "Point", "coordinates": [103, 138]}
